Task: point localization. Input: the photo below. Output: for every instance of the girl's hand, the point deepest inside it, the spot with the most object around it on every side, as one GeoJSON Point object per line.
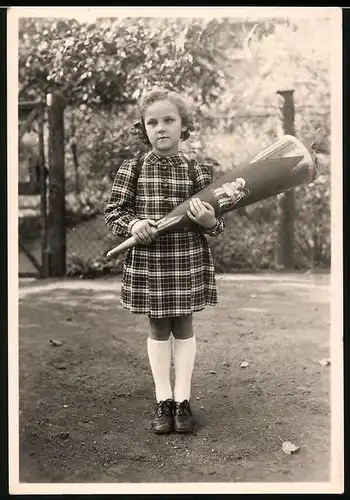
{"type": "Point", "coordinates": [202, 213]}
{"type": "Point", "coordinates": [144, 230]}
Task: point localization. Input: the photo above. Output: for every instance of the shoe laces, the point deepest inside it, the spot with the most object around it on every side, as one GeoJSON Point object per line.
{"type": "Point", "coordinates": [181, 407]}
{"type": "Point", "coordinates": [165, 408]}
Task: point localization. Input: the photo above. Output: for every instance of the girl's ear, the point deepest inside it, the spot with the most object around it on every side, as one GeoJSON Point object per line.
{"type": "Point", "coordinates": [183, 128]}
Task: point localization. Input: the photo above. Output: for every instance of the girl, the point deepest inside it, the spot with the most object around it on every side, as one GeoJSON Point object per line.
{"type": "Point", "coordinates": [169, 277]}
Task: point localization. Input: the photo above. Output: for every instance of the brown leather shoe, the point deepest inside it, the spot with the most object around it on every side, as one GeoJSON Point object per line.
{"type": "Point", "coordinates": [163, 419]}
{"type": "Point", "coordinates": [183, 418]}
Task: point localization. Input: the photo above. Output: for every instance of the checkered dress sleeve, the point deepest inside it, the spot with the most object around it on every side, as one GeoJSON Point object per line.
{"type": "Point", "coordinates": [204, 177]}
{"type": "Point", "coordinates": [120, 210]}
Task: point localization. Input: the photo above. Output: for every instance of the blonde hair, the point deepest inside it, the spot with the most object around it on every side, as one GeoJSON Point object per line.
{"type": "Point", "coordinates": [159, 94]}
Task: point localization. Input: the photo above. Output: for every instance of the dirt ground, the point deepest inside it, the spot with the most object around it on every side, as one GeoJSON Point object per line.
{"type": "Point", "coordinates": [86, 404]}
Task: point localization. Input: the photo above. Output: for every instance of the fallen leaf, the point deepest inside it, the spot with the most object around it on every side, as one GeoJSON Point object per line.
{"type": "Point", "coordinates": [324, 362]}
{"type": "Point", "coordinates": [213, 372]}
{"type": "Point", "coordinates": [289, 447]}
{"type": "Point", "coordinates": [244, 364]}
{"type": "Point", "coordinates": [64, 435]}
{"type": "Point", "coordinates": [56, 342]}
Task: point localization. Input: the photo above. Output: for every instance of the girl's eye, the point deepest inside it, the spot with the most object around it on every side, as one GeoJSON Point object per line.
{"type": "Point", "coordinates": [152, 123]}
{"type": "Point", "coordinates": [169, 120]}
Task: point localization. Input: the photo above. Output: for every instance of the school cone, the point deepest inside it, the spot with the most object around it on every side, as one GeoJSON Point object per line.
{"type": "Point", "coordinates": [284, 165]}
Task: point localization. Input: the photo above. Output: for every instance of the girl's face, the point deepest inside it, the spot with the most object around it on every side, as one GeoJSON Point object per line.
{"type": "Point", "coordinates": [163, 126]}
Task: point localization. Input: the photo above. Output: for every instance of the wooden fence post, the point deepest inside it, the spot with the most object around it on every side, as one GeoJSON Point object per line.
{"type": "Point", "coordinates": [286, 236]}
{"type": "Point", "coordinates": [56, 198]}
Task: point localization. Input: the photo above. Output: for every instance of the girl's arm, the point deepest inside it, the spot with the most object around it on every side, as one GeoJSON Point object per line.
{"type": "Point", "coordinates": [203, 179]}
{"type": "Point", "coordinates": [120, 211]}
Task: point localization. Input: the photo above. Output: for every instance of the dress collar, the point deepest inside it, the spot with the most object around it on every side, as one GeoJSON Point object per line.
{"type": "Point", "coordinates": [176, 159]}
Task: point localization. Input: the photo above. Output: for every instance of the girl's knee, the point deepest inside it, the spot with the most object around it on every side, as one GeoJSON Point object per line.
{"type": "Point", "coordinates": [160, 328]}
{"type": "Point", "coordinates": [182, 327]}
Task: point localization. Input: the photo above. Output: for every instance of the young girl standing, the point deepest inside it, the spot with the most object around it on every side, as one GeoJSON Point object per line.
{"type": "Point", "coordinates": [172, 276]}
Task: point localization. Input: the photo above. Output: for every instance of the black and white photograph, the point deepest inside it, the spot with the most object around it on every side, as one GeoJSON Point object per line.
{"type": "Point", "coordinates": [175, 249]}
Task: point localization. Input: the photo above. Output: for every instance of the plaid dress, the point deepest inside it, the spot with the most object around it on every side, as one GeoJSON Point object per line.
{"type": "Point", "coordinates": [174, 274]}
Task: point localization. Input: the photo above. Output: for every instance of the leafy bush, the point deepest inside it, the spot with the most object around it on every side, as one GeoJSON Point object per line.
{"type": "Point", "coordinates": [313, 224]}
{"type": "Point", "coordinates": [89, 202]}
{"type": "Point", "coordinates": [93, 268]}
{"type": "Point", "coordinates": [248, 243]}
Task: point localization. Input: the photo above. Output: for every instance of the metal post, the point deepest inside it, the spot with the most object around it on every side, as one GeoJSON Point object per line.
{"type": "Point", "coordinates": [286, 236]}
{"type": "Point", "coordinates": [56, 218]}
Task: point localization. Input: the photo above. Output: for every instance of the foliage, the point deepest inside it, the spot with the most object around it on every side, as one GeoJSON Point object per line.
{"type": "Point", "coordinates": [248, 114]}
{"type": "Point", "coordinates": [293, 56]}
{"type": "Point", "coordinates": [313, 223]}
{"type": "Point", "coordinates": [230, 72]}
{"type": "Point", "coordinates": [101, 142]}
{"type": "Point", "coordinates": [91, 200]}
{"type": "Point", "coordinates": [92, 268]}
{"type": "Point", "coordinates": [246, 244]}
{"type": "Point", "coordinates": [109, 61]}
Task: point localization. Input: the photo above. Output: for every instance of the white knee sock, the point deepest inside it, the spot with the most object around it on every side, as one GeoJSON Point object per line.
{"type": "Point", "coordinates": [159, 355]}
{"type": "Point", "coordinates": [184, 356]}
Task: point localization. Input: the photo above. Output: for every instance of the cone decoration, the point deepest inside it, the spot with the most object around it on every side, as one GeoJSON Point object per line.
{"type": "Point", "coordinates": [284, 165]}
